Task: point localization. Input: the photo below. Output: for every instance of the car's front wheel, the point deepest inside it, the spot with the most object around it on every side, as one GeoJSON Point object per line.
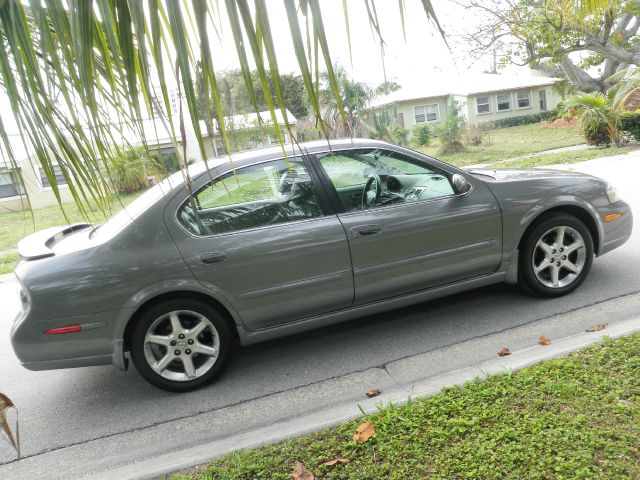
{"type": "Point", "coordinates": [180, 345]}
{"type": "Point", "coordinates": [557, 256]}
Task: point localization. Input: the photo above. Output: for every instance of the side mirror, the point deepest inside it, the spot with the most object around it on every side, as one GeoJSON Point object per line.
{"type": "Point", "coordinates": [460, 184]}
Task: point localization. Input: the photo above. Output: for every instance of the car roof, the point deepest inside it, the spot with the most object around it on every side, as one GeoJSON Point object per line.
{"type": "Point", "coordinates": [251, 156]}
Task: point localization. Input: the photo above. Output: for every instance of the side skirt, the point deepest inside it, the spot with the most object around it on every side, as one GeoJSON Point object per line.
{"type": "Point", "coordinates": [249, 337]}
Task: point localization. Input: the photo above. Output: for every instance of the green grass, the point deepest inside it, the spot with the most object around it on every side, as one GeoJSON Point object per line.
{"type": "Point", "coordinates": [8, 262]}
{"type": "Point", "coordinates": [576, 417]}
{"type": "Point", "coordinates": [16, 225]}
{"type": "Point", "coordinates": [510, 142]}
{"type": "Point", "coordinates": [565, 157]}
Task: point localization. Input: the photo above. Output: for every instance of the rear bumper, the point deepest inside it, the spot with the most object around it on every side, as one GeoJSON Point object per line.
{"type": "Point", "coordinates": [94, 346]}
{"type": "Point", "coordinates": [616, 232]}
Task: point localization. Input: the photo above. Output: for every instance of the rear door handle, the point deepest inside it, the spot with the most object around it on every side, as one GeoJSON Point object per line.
{"type": "Point", "coordinates": [367, 230]}
{"type": "Point", "coordinates": [214, 257]}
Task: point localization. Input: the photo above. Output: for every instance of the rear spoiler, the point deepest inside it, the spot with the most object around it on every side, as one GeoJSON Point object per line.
{"type": "Point", "coordinates": [40, 244]}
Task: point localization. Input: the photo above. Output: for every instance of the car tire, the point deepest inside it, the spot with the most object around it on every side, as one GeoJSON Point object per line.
{"type": "Point", "coordinates": [556, 256]}
{"type": "Point", "coordinates": [181, 345]}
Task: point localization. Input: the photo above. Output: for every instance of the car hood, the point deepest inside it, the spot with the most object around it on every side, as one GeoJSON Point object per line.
{"type": "Point", "coordinates": [516, 174]}
{"type": "Point", "coordinates": [46, 243]}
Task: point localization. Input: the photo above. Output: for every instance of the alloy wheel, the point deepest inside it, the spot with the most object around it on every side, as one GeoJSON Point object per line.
{"type": "Point", "coordinates": [559, 257]}
{"type": "Point", "coordinates": [181, 345]}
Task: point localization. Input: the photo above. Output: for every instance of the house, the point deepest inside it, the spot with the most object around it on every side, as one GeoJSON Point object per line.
{"type": "Point", "coordinates": [481, 98]}
{"type": "Point", "coordinates": [27, 185]}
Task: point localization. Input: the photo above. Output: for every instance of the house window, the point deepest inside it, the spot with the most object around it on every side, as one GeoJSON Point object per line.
{"type": "Point", "coordinates": [524, 99]}
{"type": "Point", "coordinates": [503, 101]}
{"type": "Point", "coordinates": [482, 104]}
{"type": "Point", "coordinates": [8, 185]}
{"type": "Point", "coordinates": [543, 100]}
{"type": "Point", "coordinates": [60, 180]}
{"type": "Point", "coordinates": [426, 113]}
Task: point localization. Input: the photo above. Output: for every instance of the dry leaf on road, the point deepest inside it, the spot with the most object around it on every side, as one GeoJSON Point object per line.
{"type": "Point", "coordinates": [335, 461]}
{"type": "Point", "coordinates": [597, 328]}
{"type": "Point", "coordinates": [364, 432]}
{"type": "Point", "coordinates": [504, 352]}
{"type": "Point", "coordinates": [5, 404]}
{"type": "Point", "coordinates": [544, 340]}
{"type": "Point", "coordinates": [301, 473]}
{"type": "Point", "coordinates": [373, 393]}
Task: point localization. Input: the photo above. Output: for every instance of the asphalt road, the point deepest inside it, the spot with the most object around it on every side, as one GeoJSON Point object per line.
{"type": "Point", "coordinates": [80, 421]}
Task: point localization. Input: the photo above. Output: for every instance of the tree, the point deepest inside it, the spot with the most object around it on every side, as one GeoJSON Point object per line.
{"type": "Point", "coordinates": [452, 129]}
{"type": "Point", "coordinates": [354, 98]}
{"type": "Point", "coordinates": [598, 116]}
{"type": "Point", "coordinates": [385, 88]}
{"type": "Point", "coordinates": [545, 33]}
{"type": "Point", "coordinates": [80, 75]}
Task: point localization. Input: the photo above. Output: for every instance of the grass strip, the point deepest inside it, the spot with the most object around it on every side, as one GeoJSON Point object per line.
{"type": "Point", "coordinates": [575, 417]}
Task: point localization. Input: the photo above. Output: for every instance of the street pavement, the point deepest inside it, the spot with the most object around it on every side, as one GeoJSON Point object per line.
{"type": "Point", "coordinates": [91, 420]}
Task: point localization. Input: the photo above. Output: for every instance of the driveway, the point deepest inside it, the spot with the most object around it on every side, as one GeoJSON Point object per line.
{"type": "Point", "coordinates": [76, 422]}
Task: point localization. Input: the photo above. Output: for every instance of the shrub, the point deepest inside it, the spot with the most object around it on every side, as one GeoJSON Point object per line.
{"type": "Point", "coordinates": [130, 170]}
{"type": "Point", "coordinates": [478, 134]}
{"type": "Point", "coordinates": [422, 134]}
{"type": "Point", "coordinates": [597, 135]}
{"type": "Point", "coordinates": [401, 136]}
{"type": "Point", "coordinates": [451, 130]}
{"type": "Point", "coordinates": [524, 119]}
{"type": "Point", "coordinates": [630, 124]}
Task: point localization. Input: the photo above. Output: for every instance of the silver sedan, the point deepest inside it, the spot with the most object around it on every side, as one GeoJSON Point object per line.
{"type": "Point", "coordinates": [272, 245]}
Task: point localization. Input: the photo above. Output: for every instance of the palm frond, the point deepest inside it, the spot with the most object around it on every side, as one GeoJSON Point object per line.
{"type": "Point", "coordinates": [83, 76]}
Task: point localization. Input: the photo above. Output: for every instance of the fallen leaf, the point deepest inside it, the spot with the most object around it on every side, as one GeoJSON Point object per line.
{"type": "Point", "coordinates": [335, 461]}
{"type": "Point", "coordinates": [544, 341]}
{"type": "Point", "coordinates": [597, 328]}
{"type": "Point", "coordinates": [504, 352]}
{"type": "Point", "coordinates": [301, 473]}
{"type": "Point", "coordinates": [373, 393]}
{"type": "Point", "coordinates": [364, 432]}
{"type": "Point", "coordinates": [5, 404]}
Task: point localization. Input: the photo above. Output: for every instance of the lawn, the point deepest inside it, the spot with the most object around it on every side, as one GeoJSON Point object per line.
{"type": "Point", "coordinates": [565, 157]}
{"type": "Point", "coordinates": [570, 418]}
{"type": "Point", "coordinates": [16, 225]}
{"type": "Point", "coordinates": [510, 142]}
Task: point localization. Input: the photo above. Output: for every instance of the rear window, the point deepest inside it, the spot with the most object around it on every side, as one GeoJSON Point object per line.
{"type": "Point", "coordinates": [133, 210]}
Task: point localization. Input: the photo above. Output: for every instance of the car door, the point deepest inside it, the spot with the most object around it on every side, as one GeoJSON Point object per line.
{"type": "Point", "coordinates": [416, 233]}
{"type": "Point", "coordinates": [260, 238]}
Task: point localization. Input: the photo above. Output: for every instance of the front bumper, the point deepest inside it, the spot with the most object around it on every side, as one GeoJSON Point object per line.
{"type": "Point", "coordinates": [616, 232]}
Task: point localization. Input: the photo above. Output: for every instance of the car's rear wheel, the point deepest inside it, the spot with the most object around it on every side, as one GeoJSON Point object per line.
{"type": "Point", "coordinates": [180, 345]}
{"type": "Point", "coordinates": [557, 256]}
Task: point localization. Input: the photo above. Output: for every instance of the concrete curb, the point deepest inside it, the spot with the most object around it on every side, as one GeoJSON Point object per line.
{"type": "Point", "coordinates": [329, 417]}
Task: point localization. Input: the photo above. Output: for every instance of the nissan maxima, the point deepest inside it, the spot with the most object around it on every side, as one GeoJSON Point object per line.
{"type": "Point", "coordinates": [269, 244]}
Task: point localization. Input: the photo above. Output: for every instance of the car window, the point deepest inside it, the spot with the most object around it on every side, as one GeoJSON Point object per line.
{"type": "Point", "coordinates": [372, 178]}
{"type": "Point", "coordinates": [264, 194]}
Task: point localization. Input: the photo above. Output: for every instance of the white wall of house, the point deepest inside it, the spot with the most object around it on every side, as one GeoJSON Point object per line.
{"type": "Point", "coordinates": [490, 106]}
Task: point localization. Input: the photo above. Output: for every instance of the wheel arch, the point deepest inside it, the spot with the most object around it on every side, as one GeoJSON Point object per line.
{"type": "Point", "coordinates": [175, 295]}
{"type": "Point", "coordinates": [580, 212]}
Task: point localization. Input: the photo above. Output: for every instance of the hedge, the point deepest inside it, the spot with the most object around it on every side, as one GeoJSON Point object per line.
{"type": "Point", "coordinates": [523, 119]}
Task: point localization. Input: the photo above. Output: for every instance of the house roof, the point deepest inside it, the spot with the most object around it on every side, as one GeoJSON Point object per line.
{"type": "Point", "coordinates": [471, 84]}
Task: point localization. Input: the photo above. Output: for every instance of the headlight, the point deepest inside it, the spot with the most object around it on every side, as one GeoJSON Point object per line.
{"type": "Point", "coordinates": [612, 193]}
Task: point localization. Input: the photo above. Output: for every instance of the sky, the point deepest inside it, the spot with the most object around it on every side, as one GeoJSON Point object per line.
{"type": "Point", "coordinates": [422, 56]}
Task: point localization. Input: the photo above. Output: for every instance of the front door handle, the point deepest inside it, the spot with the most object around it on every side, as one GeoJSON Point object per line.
{"type": "Point", "coordinates": [214, 257]}
{"type": "Point", "coordinates": [367, 230]}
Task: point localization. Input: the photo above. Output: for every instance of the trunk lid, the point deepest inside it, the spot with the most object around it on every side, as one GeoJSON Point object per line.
{"type": "Point", "coordinates": [42, 244]}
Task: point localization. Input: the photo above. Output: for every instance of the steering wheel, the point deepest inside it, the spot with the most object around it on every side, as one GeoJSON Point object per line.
{"type": "Point", "coordinates": [372, 191]}
{"type": "Point", "coordinates": [288, 184]}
